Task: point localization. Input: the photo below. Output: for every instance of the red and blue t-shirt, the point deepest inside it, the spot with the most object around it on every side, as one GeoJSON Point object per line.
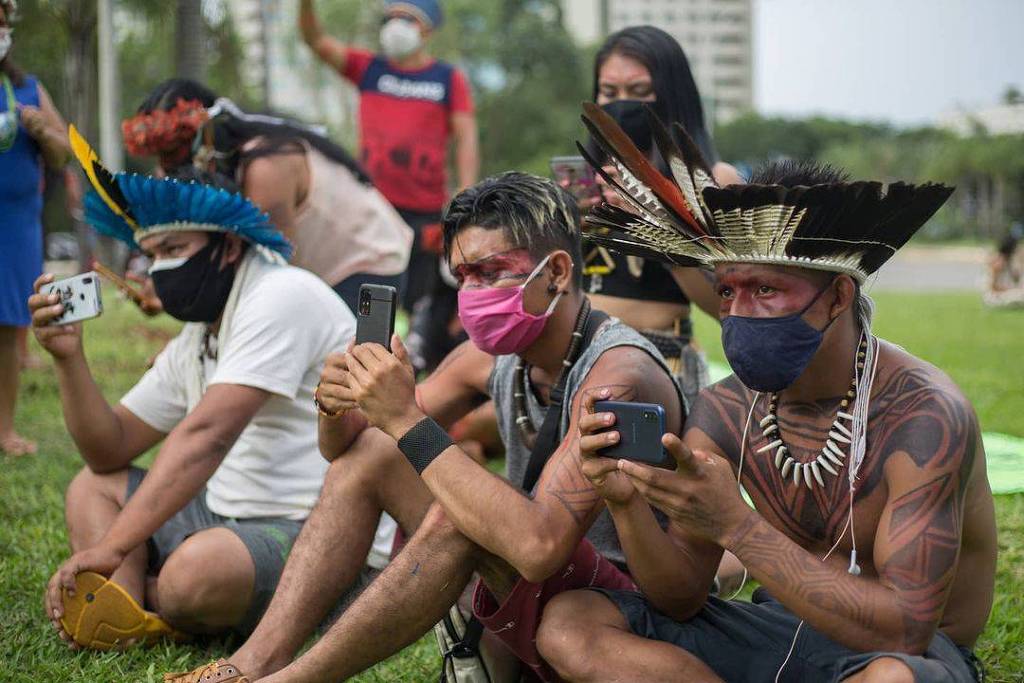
{"type": "Point", "coordinates": [405, 122]}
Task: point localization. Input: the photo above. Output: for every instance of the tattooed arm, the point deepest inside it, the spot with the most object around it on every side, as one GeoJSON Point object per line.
{"type": "Point", "coordinates": [926, 443]}
{"type": "Point", "coordinates": [538, 535]}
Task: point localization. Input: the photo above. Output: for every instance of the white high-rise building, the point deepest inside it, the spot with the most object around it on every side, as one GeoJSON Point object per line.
{"type": "Point", "coordinates": [717, 36]}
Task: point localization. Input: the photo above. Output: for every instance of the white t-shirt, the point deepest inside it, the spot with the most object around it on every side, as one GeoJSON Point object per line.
{"type": "Point", "coordinates": [286, 323]}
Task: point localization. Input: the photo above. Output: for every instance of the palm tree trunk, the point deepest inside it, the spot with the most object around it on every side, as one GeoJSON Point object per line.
{"type": "Point", "coordinates": [79, 17]}
{"type": "Point", "coordinates": [189, 40]}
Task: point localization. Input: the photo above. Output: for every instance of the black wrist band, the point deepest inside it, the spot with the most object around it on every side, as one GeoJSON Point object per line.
{"type": "Point", "coordinates": [424, 442]}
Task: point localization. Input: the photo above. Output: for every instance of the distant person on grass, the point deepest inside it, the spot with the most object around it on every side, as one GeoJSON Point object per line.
{"type": "Point", "coordinates": [201, 538]}
{"type": "Point", "coordinates": [872, 534]}
{"type": "Point", "coordinates": [1004, 287]}
{"type": "Point", "coordinates": [513, 242]}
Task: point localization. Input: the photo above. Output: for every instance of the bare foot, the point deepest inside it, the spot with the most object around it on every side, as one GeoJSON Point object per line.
{"type": "Point", "coordinates": [13, 444]}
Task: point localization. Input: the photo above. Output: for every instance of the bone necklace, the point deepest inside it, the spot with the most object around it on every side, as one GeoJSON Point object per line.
{"type": "Point", "coordinates": [832, 457]}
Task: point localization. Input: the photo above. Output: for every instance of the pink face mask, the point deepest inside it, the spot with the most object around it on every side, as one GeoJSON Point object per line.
{"type": "Point", "coordinates": [495, 320]}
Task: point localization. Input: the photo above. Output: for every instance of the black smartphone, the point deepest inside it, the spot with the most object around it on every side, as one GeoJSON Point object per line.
{"type": "Point", "coordinates": [375, 319]}
{"type": "Point", "coordinates": [640, 427]}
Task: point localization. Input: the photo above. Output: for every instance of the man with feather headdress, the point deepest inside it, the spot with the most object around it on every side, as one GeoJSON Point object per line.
{"type": "Point", "coordinates": [872, 529]}
{"type": "Point", "coordinates": [201, 538]}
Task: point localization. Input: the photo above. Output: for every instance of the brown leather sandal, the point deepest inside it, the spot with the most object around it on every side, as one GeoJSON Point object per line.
{"type": "Point", "coordinates": [220, 671]}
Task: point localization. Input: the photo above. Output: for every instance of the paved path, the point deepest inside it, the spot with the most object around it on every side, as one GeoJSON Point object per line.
{"type": "Point", "coordinates": [934, 269]}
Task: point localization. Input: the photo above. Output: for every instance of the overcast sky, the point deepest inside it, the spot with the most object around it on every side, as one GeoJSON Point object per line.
{"type": "Point", "coordinates": [905, 61]}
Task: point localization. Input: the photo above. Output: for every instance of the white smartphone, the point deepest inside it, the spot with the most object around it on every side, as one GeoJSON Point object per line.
{"type": "Point", "coordinates": [80, 295]}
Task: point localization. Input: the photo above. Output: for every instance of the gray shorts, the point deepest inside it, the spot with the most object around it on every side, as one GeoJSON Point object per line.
{"type": "Point", "coordinates": [748, 642]}
{"type": "Point", "coordinates": [268, 540]}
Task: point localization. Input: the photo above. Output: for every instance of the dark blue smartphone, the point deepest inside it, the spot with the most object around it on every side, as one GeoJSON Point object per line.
{"type": "Point", "coordinates": [640, 427]}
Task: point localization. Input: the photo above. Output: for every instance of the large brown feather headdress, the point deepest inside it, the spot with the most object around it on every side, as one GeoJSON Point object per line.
{"type": "Point", "coordinates": [844, 227]}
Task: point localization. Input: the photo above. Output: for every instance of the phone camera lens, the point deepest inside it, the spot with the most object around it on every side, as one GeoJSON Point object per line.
{"type": "Point", "coordinates": [649, 416]}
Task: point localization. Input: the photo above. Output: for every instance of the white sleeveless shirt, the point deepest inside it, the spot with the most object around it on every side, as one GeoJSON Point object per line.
{"type": "Point", "coordinates": [344, 226]}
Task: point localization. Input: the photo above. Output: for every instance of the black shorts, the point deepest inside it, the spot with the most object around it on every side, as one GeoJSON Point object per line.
{"type": "Point", "coordinates": [268, 540]}
{"type": "Point", "coordinates": [748, 642]}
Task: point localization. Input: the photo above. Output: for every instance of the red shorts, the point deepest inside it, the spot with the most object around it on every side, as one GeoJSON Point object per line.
{"type": "Point", "coordinates": [516, 620]}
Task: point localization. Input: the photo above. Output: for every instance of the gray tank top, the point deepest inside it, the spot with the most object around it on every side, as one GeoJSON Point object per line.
{"type": "Point", "coordinates": [611, 334]}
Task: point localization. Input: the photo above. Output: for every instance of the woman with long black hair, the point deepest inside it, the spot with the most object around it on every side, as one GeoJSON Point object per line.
{"type": "Point", "coordinates": [639, 67]}
{"type": "Point", "coordinates": [342, 228]}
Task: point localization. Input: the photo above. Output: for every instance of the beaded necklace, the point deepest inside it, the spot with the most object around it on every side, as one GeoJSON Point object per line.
{"type": "Point", "coordinates": [832, 456]}
{"type": "Point", "coordinates": [9, 118]}
{"type": "Point", "coordinates": [523, 422]}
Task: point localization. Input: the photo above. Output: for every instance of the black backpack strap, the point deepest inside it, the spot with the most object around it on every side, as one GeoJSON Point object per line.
{"type": "Point", "coordinates": [547, 436]}
{"type": "Point", "coordinates": [468, 646]}
{"type": "Point", "coordinates": [474, 629]}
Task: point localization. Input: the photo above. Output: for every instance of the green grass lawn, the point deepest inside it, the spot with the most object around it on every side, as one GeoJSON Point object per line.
{"type": "Point", "coordinates": [979, 348]}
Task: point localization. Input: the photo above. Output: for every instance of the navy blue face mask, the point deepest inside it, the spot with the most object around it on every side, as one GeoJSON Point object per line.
{"type": "Point", "coordinates": [768, 354]}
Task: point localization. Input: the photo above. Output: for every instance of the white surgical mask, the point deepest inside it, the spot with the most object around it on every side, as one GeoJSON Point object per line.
{"type": "Point", "coordinates": [399, 38]}
{"type": "Point", "coordinates": [6, 40]}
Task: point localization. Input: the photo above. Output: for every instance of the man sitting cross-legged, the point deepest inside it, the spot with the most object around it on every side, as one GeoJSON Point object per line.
{"type": "Point", "coordinates": [200, 538]}
{"type": "Point", "coordinates": [513, 243]}
{"type": "Point", "coordinates": [872, 533]}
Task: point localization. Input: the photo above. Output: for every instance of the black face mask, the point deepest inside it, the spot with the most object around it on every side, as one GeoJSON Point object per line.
{"type": "Point", "coordinates": [197, 289]}
{"type": "Point", "coordinates": [632, 119]}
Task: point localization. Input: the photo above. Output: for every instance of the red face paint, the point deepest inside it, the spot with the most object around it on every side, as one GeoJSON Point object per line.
{"type": "Point", "coordinates": [495, 270]}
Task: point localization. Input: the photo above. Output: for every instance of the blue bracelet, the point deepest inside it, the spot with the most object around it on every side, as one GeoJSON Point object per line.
{"type": "Point", "coordinates": [423, 443]}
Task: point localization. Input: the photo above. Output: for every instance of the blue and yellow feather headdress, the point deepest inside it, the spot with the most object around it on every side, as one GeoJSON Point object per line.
{"type": "Point", "coordinates": [129, 207]}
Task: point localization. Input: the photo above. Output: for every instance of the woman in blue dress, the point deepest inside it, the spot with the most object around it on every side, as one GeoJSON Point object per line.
{"type": "Point", "coordinates": [31, 133]}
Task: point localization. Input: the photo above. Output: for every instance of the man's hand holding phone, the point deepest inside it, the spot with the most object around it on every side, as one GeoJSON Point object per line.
{"type": "Point", "coordinates": [61, 341]}
{"type": "Point", "coordinates": [700, 496]}
{"type": "Point", "coordinates": [383, 385]}
{"type": "Point", "coordinates": [597, 434]}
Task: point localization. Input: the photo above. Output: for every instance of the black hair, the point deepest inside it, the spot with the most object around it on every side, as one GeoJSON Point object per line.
{"type": "Point", "coordinates": [674, 86]}
{"type": "Point", "coordinates": [282, 136]}
{"type": "Point", "coordinates": [533, 212]}
{"type": "Point", "coordinates": [1008, 245]}
{"type": "Point", "coordinates": [791, 173]}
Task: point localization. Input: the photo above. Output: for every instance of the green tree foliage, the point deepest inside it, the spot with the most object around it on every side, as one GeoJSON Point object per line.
{"type": "Point", "coordinates": [528, 78]}
{"type": "Point", "coordinates": [988, 170]}
{"type": "Point", "coordinates": [49, 29]}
